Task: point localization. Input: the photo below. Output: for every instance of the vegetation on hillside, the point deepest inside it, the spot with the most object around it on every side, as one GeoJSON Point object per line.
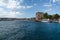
{"type": "Point", "coordinates": [54, 16]}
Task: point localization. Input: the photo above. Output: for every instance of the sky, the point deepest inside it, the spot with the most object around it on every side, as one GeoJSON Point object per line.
{"type": "Point", "coordinates": [27, 8]}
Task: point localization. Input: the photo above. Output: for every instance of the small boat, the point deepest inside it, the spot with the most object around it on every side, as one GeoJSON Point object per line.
{"type": "Point", "coordinates": [59, 20]}
{"type": "Point", "coordinates": [55, 21]}
{"type": "Point", "coordinates": [45, 20]}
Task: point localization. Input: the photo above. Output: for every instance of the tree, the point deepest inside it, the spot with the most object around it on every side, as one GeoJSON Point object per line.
{"type": "Point", "coordinates": [46, 15]}
{"type": "Point", "coordinates": [56, 16]}
{"type": "Point", "coordinates": [50, 16]}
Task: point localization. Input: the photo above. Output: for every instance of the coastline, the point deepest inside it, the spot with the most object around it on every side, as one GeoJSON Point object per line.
{"type": "Point", "coordinates": [29, 19]}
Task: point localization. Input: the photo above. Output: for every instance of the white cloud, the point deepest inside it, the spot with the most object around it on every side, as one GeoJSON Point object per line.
{"type": "Point", "coordinates": [9, 5]}
{"type": "Point", "coordinates": [21, 1]}
{"type": "Point", "coordinates": [54, 1]}
{"type": "Point", "coordinates": [47, 5]}
{"type": "Point", "coordinates": [29, 6]}
{"type": "Point", "coordinates": [2, 3]}
{"type": "Point", "coordinates": [48, 10]}
{"type": "Point", "coordinates": [21, 7]}
{"type": "Point", "coordinates": [24, 7]}
{"type": "Point", "coordinates": [8, 8]}
{"type": "Point", "coordinates": [12, 4]}
{"type": "Point", "coordinates": [11, 14]}
{"type": "Point", "coordinates": [1, 9]}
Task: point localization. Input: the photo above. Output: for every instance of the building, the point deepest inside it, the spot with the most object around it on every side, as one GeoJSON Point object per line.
{"type": "Point", "coordinates": [39, 16]}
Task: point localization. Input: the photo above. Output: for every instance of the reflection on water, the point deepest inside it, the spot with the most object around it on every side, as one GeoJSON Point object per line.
{"type": "Point", "coordinates": [29, 30]}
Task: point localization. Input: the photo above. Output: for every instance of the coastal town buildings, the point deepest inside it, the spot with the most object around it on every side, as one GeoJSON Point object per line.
{"type": "Point", "coordinates": [39, 16]}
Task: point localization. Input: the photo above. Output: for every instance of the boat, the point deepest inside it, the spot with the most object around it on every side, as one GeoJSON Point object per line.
{"type": "Point", "coordinates": [45, 20]}
{"type": "Point", "coordinates": [56, 21]}
{"type": "Point", "coordinates": [59, 20]}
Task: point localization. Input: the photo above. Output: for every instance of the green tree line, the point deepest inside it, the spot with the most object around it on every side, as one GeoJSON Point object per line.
{"type": "Point", "coordinates": [54, 16]}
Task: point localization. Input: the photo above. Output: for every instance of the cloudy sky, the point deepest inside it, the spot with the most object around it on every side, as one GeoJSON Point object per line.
{"type": "Point", "coordinates": [27, 8]}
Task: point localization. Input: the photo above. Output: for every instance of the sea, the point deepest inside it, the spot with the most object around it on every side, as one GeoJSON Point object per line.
{"type": "Point", "coordinates": [29, 30]}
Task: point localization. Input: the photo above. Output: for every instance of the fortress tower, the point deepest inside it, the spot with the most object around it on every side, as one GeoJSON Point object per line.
{"type": "Point", "coordinates": [39, 16]}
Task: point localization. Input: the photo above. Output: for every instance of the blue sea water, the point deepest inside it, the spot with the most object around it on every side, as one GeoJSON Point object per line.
{"type": "Point", "coordinates": [29, 30]}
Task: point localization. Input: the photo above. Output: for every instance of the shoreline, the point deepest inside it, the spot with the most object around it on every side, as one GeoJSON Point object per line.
{"type": "Point", "coordinates": [29, 19]}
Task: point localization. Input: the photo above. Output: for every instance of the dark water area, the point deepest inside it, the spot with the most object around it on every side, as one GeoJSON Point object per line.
{"type": "Point", "coordinates": [29, 30]}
